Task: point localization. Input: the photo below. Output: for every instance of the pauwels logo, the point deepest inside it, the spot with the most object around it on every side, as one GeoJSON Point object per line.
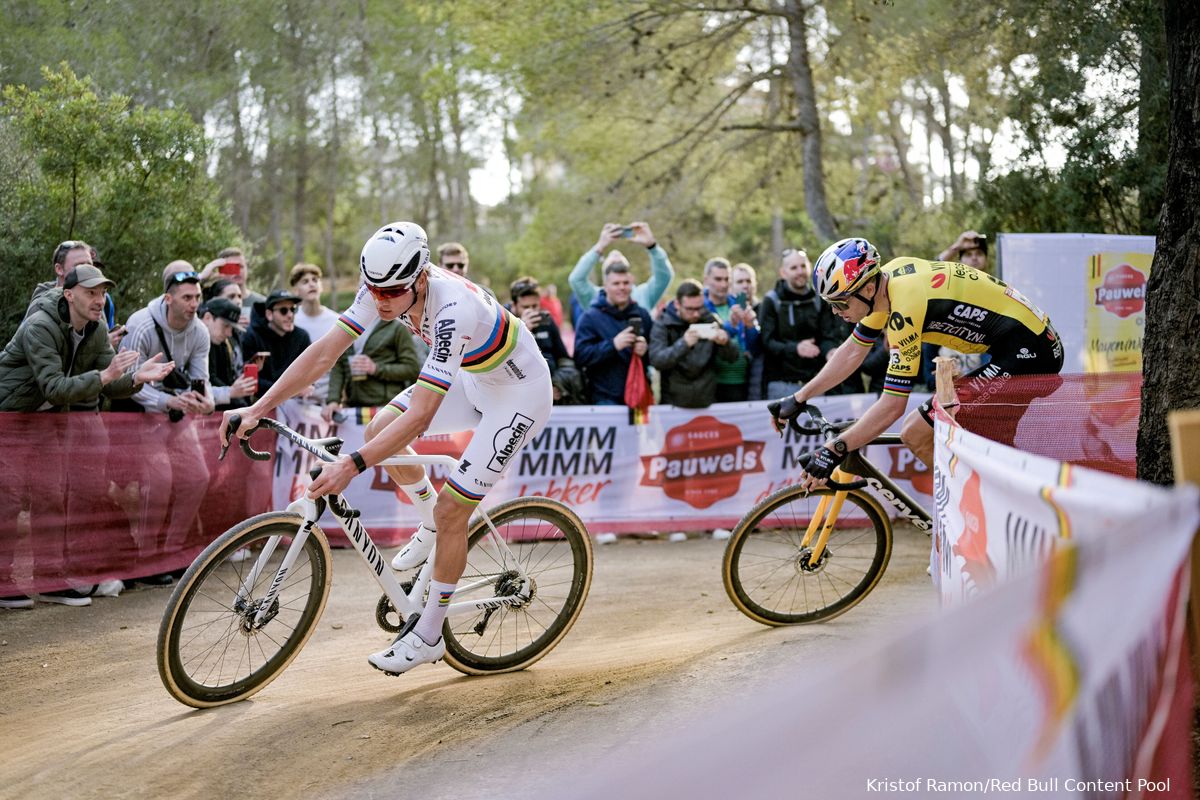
{"type": "Point", "coordinates": [443, 334]}
{"type": "Point", "coordinates": [1123, 292]}
{"type": "Point", "coordinates": [702, 462]}
{"type": "Point", "coordinates": [508, 440]}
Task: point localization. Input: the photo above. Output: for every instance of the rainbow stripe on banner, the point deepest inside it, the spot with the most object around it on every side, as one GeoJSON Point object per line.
{"type": "Point", "coordinates": [1047, 493]}
{"type": "Point", "coordinates": [1050, 659]}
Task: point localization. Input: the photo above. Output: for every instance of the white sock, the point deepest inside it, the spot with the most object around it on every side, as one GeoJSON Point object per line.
{"type": "Point", "coordinates": [429, 626]}
{"type": "Point", "coordinates": [424, 498]}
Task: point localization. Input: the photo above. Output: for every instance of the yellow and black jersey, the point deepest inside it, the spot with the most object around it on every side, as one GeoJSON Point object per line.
{"type": "Point", "coordinates": [947, 304]}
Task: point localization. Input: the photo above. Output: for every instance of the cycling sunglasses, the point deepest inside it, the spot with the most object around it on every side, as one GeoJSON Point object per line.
{"type": "Point", "coordinates": [389, 293]}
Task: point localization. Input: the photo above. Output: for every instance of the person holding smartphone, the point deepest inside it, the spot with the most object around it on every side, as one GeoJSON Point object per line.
{"type": "Point", "coordinates": [609, 334]}
{"type": "Point", "coordinates": [527, 307]}
{"type": "Point", "coordinates": [740, 321]}
{"type": "Point", "coordinates": [233, 382]}
{"type": "Point", "coordinates": [647, 294]}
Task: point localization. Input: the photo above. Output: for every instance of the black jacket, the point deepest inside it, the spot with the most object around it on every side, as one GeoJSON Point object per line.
{"type": "Point", "coordinates": [788, 318]}
{"type": "Point", "coordinates": [605, 366]}
{"type": "Point", "coordinates": [283, 350]}
{"type": "Point", "coordinates": [688, 377]}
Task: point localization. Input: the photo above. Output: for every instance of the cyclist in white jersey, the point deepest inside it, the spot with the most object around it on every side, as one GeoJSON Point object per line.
{"type": "Point", "coordinates": [484, 373]}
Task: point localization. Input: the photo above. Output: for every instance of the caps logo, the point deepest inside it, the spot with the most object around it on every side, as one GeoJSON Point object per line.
{"type": "Point", "coordinates": [1123, 292]}
{"type": "Point", "coordinates": [702, 462]}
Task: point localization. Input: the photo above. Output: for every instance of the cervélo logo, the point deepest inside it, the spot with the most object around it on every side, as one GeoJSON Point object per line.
{"type": "Point", "coordinates": [702, 462]}
{"type": "Point", "coordinates": [1123, 292]}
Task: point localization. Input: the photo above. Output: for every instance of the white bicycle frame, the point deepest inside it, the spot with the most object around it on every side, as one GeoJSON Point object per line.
{"type": "Point", "coordinates": [347, 516]}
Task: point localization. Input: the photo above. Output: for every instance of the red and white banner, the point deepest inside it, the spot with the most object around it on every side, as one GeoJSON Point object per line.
{"type": "Point", "coordinates": [1068, 677]}
{"type": "Point", "coordinates": [684, 469]}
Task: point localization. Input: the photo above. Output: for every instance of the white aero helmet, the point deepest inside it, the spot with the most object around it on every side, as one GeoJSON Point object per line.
{"type": "Point", "coordinates": [395, 256]}
{"type": "Point", "coordinates": [845, 268]}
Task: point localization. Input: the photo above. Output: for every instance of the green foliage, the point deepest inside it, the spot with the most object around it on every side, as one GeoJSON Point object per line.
{"type": "Point", "coordinates": [128, 180]}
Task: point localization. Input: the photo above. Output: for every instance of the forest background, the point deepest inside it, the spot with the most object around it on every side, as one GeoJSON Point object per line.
{"type": "Point", "coordinates": [294, 128]}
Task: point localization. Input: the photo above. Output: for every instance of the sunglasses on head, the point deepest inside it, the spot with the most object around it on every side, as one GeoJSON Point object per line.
{"type": "Point", "coordinates": [388, 293]}
{"type": "Point", "coordinates": [180, 277]}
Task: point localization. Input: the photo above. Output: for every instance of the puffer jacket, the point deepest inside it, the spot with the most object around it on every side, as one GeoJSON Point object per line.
{"type": "Point", "coordinates": [688, 377]}
{"type": "Point", "coordinates": [41, 365]}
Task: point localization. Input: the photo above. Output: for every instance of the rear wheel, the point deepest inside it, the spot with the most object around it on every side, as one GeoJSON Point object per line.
{"type": "Point", "coordinates": [773, 579]}
{"type": "Point", "coordinates": [211, 649]}
{"type": "Point", "coordinates": [550, 572]}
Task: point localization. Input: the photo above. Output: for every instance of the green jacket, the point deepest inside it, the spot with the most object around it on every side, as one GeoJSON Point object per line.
{"type": "Point", "coordinates": [37, 366]}
{"type": "Point", "coordinates": [389, 345]}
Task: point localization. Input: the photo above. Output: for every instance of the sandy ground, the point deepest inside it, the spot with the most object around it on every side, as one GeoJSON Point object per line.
{"type": "Point", "coordinates": [83, 713]}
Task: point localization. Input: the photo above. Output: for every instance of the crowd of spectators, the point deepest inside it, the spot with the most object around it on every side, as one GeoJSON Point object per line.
{"type": "Point", "coordinates": [209, 343]}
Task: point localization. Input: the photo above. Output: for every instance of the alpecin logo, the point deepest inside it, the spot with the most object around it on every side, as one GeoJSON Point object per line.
{"type": "Point", "coordinates": [702, 462]}
{"type": "Point", "coordinates": [442, 337]}
{"type": "Point", "coordinates": [1123, 292]}
{"type": "Point", "coordinates": [508, 440]}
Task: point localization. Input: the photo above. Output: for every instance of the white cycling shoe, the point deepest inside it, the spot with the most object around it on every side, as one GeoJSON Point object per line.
{"type": "Point", "coordinates": [417, 550]}
{"type": "Point", "coordinates": [408, 651]}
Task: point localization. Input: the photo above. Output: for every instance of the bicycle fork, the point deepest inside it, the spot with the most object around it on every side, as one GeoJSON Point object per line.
{"type": "Point", "coordinates": [825, 517]}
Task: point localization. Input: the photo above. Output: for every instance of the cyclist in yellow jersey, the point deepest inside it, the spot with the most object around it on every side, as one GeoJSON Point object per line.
{"type": "Point", "coordinates": [913, 301]}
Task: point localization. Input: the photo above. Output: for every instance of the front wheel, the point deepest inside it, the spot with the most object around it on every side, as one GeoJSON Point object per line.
{"type": "Point", "coordinates": [546, 565]}
{"type": "Point", "coordinates": [770, 573]}
{"type": "Point", "coordinates": [213, 645]}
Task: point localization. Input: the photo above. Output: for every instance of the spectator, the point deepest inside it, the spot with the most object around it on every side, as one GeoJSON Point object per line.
{"type": "Point", "coordinates": [60, 359]}
{"type": "Point", "coordinates": [685, 353]}
{"type": "Point", "coordinates": [565, 377]}
{"type": "Point", "coordinates": [745, 284]}
{"type": "Point", "coordinates": [173, 479]}
{"type": "Point", "coordinates": [226, 289]}
{"type": "Point", "coordinates": [742, 325]}
{"type": "Point", "coordinates": [798, 331]}
{"type": "Point", "coordinates": [552, 304]}
{"type": "Point", "coordinates": [454, 257]}
{"type": "Point", "coordinates": [168, 325]}
{"type": "Point", "coordinates": [608, 335]}
{"type": "Point", "coordinates": [645, 294]}
{"type": "Point", "coordinates": [970, 248]}
{"type": "Point", "coordinates": [273, 330]}
{"type": "Point", "coordinates": [314, 318]}
{"type": "Point", "coordinates": [231, 263]}
{"type": "Point", "coordinates": [67, 256]}
{"type": "Point", "coordinates": [230, 388]}
{"type": "Point", "coordinates": [380, 364]}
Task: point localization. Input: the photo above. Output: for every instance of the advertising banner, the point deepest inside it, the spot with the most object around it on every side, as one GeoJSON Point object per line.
{"type": "Point", "coordinates": [1097, 307]}
{"type": "Point", "coordinates": [684, 470]}
{"type": "Point", "coordinates": [1116, 314]}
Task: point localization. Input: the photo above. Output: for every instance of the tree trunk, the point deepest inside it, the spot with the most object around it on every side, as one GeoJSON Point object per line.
{"type": "Point", "coordinates": [800, 72]}
{"type": "Point", "coordinates": [900, 142]}
{"type": "Point", "coordinates": [332, 182]}
{"type": "Point", "coordinates": [1171, 352]}
{"type": "Point", "coordinates": [1153, 89]}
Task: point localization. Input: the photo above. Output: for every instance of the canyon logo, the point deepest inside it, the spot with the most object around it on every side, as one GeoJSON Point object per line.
{"type": "Point", "coordinates": [1123, 292]}
{"type": "Point", "coordinates": [702, 462]}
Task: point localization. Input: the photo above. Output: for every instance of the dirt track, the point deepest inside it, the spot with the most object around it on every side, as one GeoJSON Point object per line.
{"type": "Point", "coordinates": [84, 715]}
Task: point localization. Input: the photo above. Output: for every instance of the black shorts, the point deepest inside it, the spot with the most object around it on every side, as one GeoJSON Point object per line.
{"type": "Point", "coordinates": [1028, 354]}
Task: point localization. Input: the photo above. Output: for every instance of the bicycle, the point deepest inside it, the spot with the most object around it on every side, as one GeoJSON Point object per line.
{"type": "Point", "coordinates": [250, 601]}
{"type": "Point", "coordinates": [802, 556]}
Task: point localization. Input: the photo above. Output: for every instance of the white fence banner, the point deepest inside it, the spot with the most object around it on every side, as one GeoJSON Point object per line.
{"type": "Point", "coordinates": [682, 470]}
{"type": "Point", "coordinates": [1071, 679]}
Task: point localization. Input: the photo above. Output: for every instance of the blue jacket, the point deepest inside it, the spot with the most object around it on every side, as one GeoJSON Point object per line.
{"type": "Point", "coordinates": [605, 366]}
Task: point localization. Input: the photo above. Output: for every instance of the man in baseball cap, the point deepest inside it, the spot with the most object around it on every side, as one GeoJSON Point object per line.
{"type": "Point", "coordinates": [231, 387]}
{"type": "Point", "coordinates": [275, 331]}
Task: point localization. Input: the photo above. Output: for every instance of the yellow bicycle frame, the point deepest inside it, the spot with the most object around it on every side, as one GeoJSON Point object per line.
{"type": "Point", "coordinates": [831, 503]}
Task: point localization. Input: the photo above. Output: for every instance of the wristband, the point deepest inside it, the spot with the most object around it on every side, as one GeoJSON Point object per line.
{"type": "Point", "coordinates": [359, 463]}
{"type": "Point", "coordinates": [652, 245]}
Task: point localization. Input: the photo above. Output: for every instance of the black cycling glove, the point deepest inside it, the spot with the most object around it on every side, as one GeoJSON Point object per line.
{"type": "Point", "coordinates": [784, 409]}
{"type": "Point", "coordinates": [824, 461]}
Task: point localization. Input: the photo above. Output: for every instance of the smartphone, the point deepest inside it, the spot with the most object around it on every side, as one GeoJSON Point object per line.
{"type": "Point", "coordinates": [250, 371]}
{"type": "Point", "coordinates": [739, 300]}
{"type": "Point", "coordinates": [627, 232]}
{"type": "Point", "coordinates": [636, 324]}
{"type": "Point", "coordinates": [198, 386]}
{"type": "Point", "coordinates": [230, 268]}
